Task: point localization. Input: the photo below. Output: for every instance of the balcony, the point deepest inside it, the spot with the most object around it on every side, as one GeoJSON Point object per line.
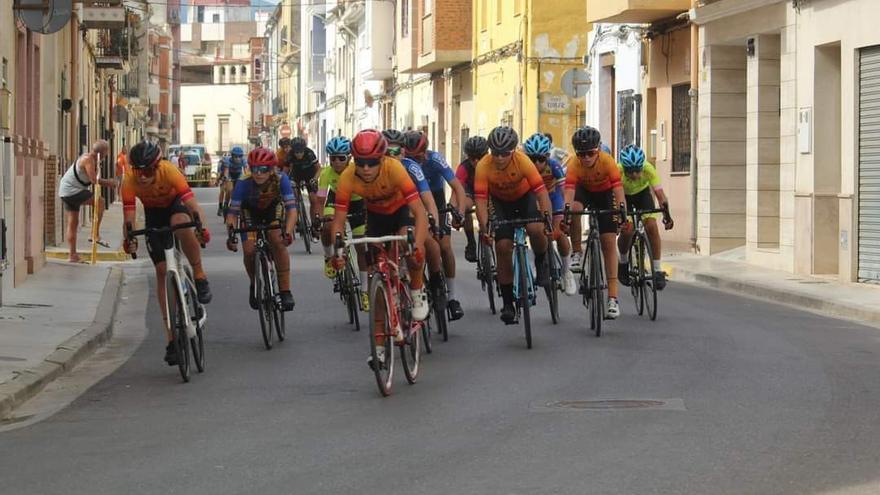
{"type": "Point", "coordinates": [112, 50]}
{"type": "Point", "coordinates": [108, 14]}
{"type": "Point", "coordinates": [634, 11]}
{"type": "Point", "coordinates": [435, 52]}
{"type": "Point", "coordinates": [376, 43]}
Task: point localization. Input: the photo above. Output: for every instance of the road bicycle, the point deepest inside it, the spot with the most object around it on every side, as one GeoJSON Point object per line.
{"type": "Point", "coordinates": [641, 267]}
{"type": "Point", "coordinates": [348, 285]}
{"type": "Point", "coordinates": [554, 265]}
{"type": "Point", "coordinates": [593, 282]}
{"type": "Point", "coordinates": [391, 322]}
{"type": "Point", "coordinates": [438, 293]}
{"type": "Point", "coordinates": [486, 273]}
{"type": "Point", "coordinates": [185, 315]}
{"type": "Point", "coordinates": [524, 288]}
{"type": "Point", "coordinates": [266, 291]}
{"type": "Point", "coordinates": [303, 222]}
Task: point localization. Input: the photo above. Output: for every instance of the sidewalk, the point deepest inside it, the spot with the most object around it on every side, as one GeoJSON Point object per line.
{"type": "Point", "coordinates": [818, 294]}
{"type": "Point", "coordinates": [59, 315]}
{"type": "Point", "coordinates": [110, 233]}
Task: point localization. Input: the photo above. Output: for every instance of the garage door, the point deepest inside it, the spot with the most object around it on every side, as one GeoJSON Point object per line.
{"type": "Point", "coordinates": [869, 165]}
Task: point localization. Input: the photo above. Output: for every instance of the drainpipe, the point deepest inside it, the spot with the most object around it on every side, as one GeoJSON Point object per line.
{"type": "Point", "coordinates": [694, 94]}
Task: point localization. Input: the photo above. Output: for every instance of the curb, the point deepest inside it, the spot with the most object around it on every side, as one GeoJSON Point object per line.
{"type": "Point", "coordinates": [69, 353]}
{"type": "Point", "coordinates": [85, 255]}
{"type": "Point", "coordinates": [807, 302]}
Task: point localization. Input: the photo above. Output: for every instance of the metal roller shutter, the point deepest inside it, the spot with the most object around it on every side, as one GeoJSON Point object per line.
{"type": "Point", "coordinates": [869, 165]}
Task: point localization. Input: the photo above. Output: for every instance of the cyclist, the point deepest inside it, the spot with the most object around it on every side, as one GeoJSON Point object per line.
{"type": "Point", "coordinates": [475, 148]}
{"type": "Point", "coordinates": [283, 150]}
{"type": "Point", "coordinates": [509, 179]}
{"type": "Point", "coordinates": [264, 198]}
{"type": "Point", "coordinates": [640, 178]}
{"type": "Point", "coordinates": [438, 173]}
{"type": "Point", "coordinates": [538, 148]}
{"type": "Point", "coordinates": [232, 168]}
{"type": "Point", "coordinates": [339, 151]}
{"type": "Point", "coordinates": [396, 141]}
{"type": "Point", "coordinates": [392, 204]}
{"type": "Point", "coordinates": [593, 181]}
{"type": "Point", "coordinates": [303, 168]}
{"type": "Point", "coordinates": [167, 200]}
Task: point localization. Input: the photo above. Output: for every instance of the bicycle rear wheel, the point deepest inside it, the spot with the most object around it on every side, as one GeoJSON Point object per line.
{"type": "Point", "coordinates": [352, 297]}
{"type": "Point", "coordinates": [381, 337]}
{"type": "Point", "coordinates": [197, 343]}
{"type": "Point", "coordinates": [487, 264]}
{"type": "Point", "coordinates": [264, 302]}
{"type": "Point", "coordinates": [523, 295]}
{"type": "Point", "coordinates": [440, 302]}
{"type": "Point", "coordinates": [649, 288]}
{"type": "Point", "coordinates": [177, 322]}
{"type": "Point", "coordinates": [410, 350]}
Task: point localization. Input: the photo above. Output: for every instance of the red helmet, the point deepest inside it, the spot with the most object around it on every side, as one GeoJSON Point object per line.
{"type": "Point", "coordinates": [368, 143]}
{"type": "Point", "coordinates": [262, 156]}
{"type": "Point", "coordinates": [415, 142]}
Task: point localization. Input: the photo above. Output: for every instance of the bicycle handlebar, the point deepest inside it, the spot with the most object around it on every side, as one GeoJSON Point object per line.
{"type": "Point", "coordinates": [130, 233]}
{"type": "Point", "coordinates": [519, 222]}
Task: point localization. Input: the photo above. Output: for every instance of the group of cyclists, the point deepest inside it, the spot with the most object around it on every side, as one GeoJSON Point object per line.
{"type": "Point", "coordinates": [388, 183]}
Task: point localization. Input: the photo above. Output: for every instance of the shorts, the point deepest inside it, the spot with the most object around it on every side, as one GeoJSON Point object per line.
{"type": "Point", "coordinates": [273, 215]}
{"type": "Point", "coordinates": [602, 200]}
{"type": "Point", "coordinates": [305, 176]}
{"type": "Point", "coordinates": [379, 224]}
{"type": "Point", "coordinates": [642, 200]}
{"type": "Point", "coordinates": [157, 218]}
{"type": "Point", "coordinates": [72, 203]}
{"type": "Point", "coordinates": [357, 214]}
{"type": "Point", "coordinates": [440, 200]}
{"type": "Point", "coordinates": [524, 207]}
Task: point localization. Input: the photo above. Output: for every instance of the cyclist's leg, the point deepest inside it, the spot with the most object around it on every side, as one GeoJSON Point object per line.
{"type": "Point", "coordinates": [282, 259]}
{"type": "Point", "coordinates": [189, 244]}
{"type": "Point", "coordinates": [157, 218]}
{"type": "Point", "coordinates": [469, 220]}
{"type": "Point", "coordinates": [653, 232]}
{"type": "Point", "coordinates": [248, 252]}
{"type": "Point", "coordinates": [608, 237]}
{"type": "Point", "coordinates": [160, 294]}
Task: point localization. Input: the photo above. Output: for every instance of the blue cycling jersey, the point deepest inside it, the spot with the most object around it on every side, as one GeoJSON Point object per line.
{"type": "Point", "coordinates": [235, 169]}
{"type": "Point", "coordinates": [248, 195]}
{"type": "Point", "coordinates": [437, 171]}
{"type": "Point", "coordinates": [417, 174]}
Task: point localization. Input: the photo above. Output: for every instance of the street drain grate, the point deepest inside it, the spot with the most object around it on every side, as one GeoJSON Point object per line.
{"type": "Point", "coordinates": [612, 405]}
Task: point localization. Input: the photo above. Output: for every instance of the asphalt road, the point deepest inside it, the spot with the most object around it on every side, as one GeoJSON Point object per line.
{"type": "Point", "coordinates": [749, 398]}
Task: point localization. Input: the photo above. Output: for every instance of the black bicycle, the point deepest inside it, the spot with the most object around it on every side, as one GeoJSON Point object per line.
{"type": "Point", "coordinates": [266, 290]}
{"type": "Point", "coordinates": [303, 222]}
{"type": "Point", "coordinates": [348, 285]}
{"type": "Point", "coordinates": [593, 282]}
{"type": "Point", "coordinates": [641, 267]}
{"type": "Point", "coordinates": [554, 265]}
{"type": "Point", "coordinates": [486, 272]}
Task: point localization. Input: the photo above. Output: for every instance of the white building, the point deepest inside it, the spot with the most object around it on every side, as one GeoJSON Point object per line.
{"type": "Point", "coordinates": [215, 114]}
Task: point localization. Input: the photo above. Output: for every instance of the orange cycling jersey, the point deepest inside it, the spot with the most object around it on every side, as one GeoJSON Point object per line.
{"type": "Point", "coordinates": [281, 155]}
{"type": "Point", "coordinates": [386, 194]}
{"type": "Point", "coordinates": [167, 185]}
{"type": "Point", "coordinates": [602, 176]}
{"type": "Point", "coordinates": [509, 183]}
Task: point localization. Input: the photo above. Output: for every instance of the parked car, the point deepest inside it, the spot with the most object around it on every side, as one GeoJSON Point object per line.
{"type": "Point", "coordinates": [197, 173]}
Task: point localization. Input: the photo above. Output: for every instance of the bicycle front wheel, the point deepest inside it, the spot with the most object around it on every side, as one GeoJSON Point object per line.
{"type": "Point", "coordinates": [597, 295]}
{"type": "Point", "coordinates": [177, 322]}
{"type": "Point", "coordinates": [649, 288]}
{"type": "Point", "coordinates": [555, 279]}
{"type": "Point", "coordinates": [410, 350]}
{"type": "Point", "coordinates": [487, 264]}
{"type": "Point", "coordinates": [637, 276]}
{"type": "Point", "coordinates": [265, 304]}
{"type": "Point", "coordinates": [523, 295]}
{"type": "Point", "coordinates": [197, 343]}
{"type": "Point", "coordinates": [381, 340]}
{"type": "Point", "coordinates": [352, 296]}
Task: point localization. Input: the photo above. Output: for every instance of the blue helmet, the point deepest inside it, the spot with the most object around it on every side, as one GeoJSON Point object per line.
{"type": "Point", "coordinates": [632, 158]}
{"type": "Point", "coordinates": [604, 147]}
{"type": "Point", "coordinates": [537, 144]}
{"type": "Point", "coordinates": [339, 145]}
{"type": "Point", "coordinates": [236, 151]}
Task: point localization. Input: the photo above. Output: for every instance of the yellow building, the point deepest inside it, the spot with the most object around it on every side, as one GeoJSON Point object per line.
{"type": "Point", "coordinates": [522, 49]}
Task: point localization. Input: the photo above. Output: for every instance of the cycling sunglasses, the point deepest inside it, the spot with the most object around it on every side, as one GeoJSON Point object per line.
{"type": "Point", "coordinates": [394, 150]}
{"type": "Point", "coordinates": [144, 171]}
{"type": "Point", "coordinates": [367, 162]}
{"type": "Point", "coordinates": [502, 154]}
{"type": "Point", "coordinates": [584, 154]}
{"type": "Point", "coordinates": [338, 158]}
{"type": "Point", "coordinates": [261, 169]}
{"type": "Point", "coordinates": [538, 158]}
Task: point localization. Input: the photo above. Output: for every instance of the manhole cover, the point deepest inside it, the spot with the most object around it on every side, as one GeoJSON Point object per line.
{"type": "Point", "coordinates": [612, 405]}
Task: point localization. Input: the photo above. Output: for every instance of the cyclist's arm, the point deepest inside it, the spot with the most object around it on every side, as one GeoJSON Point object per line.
{"type": "Point", "coordinates": [661, 196]}
{"type": "Point", "coordinates": [536, 182]}
{"type": "Point", "coordinates": [341, 202]}
{"type": "Point", "coordinates": [616, 186]}
{"type": "Point", "coordinates": [421, 221]}
{"type": "Point", "coordinates": [129, 208]}
{"type": "Point", "coordinates": [571, 180]}
{"type": "Point", "coordinates": [181, 187]}
{"type": "Point", "coordinates": [92, 171]}
{"type": "Point", "coordinates": [290, 205]}
{"type": "Point", "coordinates": [430, 205]}
{"type": "Point", "coordinates": [238, 195]}
{"type": "Point", "coordinates": [459, 197]}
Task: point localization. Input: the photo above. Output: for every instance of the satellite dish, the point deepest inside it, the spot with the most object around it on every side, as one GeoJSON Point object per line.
{"type": "Point", "coordinates": [576, 83]}
{"type": "Point", "coordinates": [44, 16]}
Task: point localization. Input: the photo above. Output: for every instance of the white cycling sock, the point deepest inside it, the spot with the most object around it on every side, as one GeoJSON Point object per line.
{"type": "Point", "coordinates": [657, 267]}
{"type": "Point", "coordinates": [365, 280]}
{"type": "Point", "coordinates": [624, 258]}
{"type": "Point", "coordinates": [328, 251]}
{"type": "Point", "coordinates": [450, 287]}
{"type": "Point", "coordinates": [566, 262]}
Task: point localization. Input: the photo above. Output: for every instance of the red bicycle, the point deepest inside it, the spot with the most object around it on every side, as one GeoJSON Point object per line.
{"type": "Point", "coordinates": [391, 322]}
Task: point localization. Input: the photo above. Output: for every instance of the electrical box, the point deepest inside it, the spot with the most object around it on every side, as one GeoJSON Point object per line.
{"type": "Point", "coordinates": [805, 130]}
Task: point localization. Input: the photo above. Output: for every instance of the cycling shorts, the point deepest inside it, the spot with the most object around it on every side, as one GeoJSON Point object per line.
{"type": "Point", "coordinates": [524, 207]}
{"type": "Point", "coordinates": [305, 177]}
{"type": "Point", "coordinates": [603, 200]}
{"type": "Point", "coordinates": [391, 224]}
{"type": "Point", "coordinates": [273, 215]}
{"type": "Point", "coordinates": [156, 218]}
{"type": "Point", "coordinates": [642, 200]}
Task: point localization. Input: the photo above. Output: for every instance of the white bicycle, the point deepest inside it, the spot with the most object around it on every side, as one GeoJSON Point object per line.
{"type": "Point", "coordinates": [185, 315]}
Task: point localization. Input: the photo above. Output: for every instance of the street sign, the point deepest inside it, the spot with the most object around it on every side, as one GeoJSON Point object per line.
{"type": "Point", "coordinates": [284, 131]}
{"type": "Point", "coordinates": [576, 83]}
{"type": "Point", "coordinates": [44, 16]}
{"type": "Point", "coordinates": [555, 103]}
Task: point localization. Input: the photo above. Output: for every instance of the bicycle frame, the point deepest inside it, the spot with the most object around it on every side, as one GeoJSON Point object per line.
{"type": "Point", "coordinates": [520, 250]}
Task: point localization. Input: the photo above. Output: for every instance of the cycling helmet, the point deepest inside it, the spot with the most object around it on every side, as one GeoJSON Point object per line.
{"type": "Point", "coordinates": [476, 147]}
{"type": "Point", "coordinates": [502, 139]}
{"type": "Point", "coordinates": [368, 144]}
{"type": "Point", "coordinates": [144, 154]}
{"type": "Point", "coordinates": [262, 157]}
{"type": "Point", "coordinates": [284, 142]}
{"type": "Point", "coordinates": [298, 145]}
{"type": "Point", "coordinates": [604, 147]}
{"type": "Point", "coordinates": [415, 142]}
{"type": "Point", "coordinates": [393, 136]}
{"type": "Point", "coordinates": [585, 139]}
{"type": "Point", "coordinates": [537, 144]}
{"type": "Point", "coordinates": [339, 145]}
{"type": "Point", "coordinates": [236, 151]}
{"type": "Point", "coordinates": [632, 158]}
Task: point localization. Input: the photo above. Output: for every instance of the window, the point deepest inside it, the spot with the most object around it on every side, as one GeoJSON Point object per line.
{"type": "Point", "coordinates": [681, 128]}
{"type": "Point", "coordinates": [484, 14]}
{"type": "Point", "coordinates": [232, 71]}
{"type": "Point", "coordinates": [499, 10]}
{"type": "Point", "coordinates": [4, 73]}
{"type": "Point", "coordinates": [428, 7]}
{"type": "Point", "coordinates": [626, 107]}
{"type": "Point", "coordinates": [200, 14]}
{"type": "Point", "coordinates": [224, 134]}
{"type": "Point", "coordinates": [216, 19]}
{"type": "Point", "coordinates": [404, 19]}
{"type": "Point", "coordinates": [199, 129]}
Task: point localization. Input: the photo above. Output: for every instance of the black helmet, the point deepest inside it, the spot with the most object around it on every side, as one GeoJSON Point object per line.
{"type": "Point", "coordinates": [476, 147]}
{"type": "Point", "coordinates": [415, 142]}
{"type": "Point", "coordinates": [585, 139]}
{"type": "Point", "coordinates": [394, 137]}
{"type": "Point", "coordinates": [298, 145]}
{"type": "Point", "coordinates": [284, 142]}
{"type": "Point", "coordinates": [502, 139]}
{"type": "Point", "coordinates": [144, 154]}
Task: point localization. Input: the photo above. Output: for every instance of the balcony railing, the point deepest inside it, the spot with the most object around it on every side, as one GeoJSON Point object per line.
{"type": "Point", "coordinates": [107, 14]}
{"type": "Point", "coordinates": [112, 50]}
